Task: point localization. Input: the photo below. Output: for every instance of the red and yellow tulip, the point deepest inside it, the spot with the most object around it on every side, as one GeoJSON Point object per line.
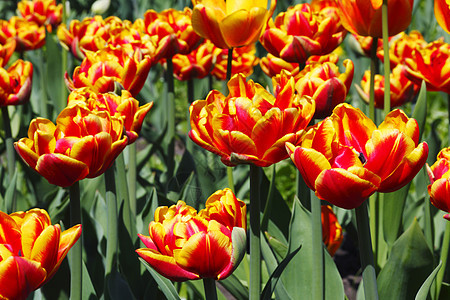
{"type": "Point", "coordinates": [232, 23]}
{"type": "Point", "coordinates": [250, 125]}
{"type": "Point", "coordinates": [31, 251]}
{"type": "Point", "coordinates": [402, 89]}
{"type": "Point", "coordinates": [442, 13]}
{"type": "Point", "coordinates": [430, 65]}
{"type": "Point", "coordinates": [324, 84]}
{"type": "Point", "coordinates": [300, 32]}
{"type": "Point", "coordinates": [402, 46]}
{"type": "Point", "coordinates": [439, 189]}
{"type": "Point", "coordinates": [172, 30]}
{"type": "Point", "coordinates": [83, 143]}
{"type": "Point", "coordinates": [100, 70]}
{"type": "Point", "coordinates": [124, 107]}
{"type": "Point", "coordinates": [6, 50]}
{"type": "Point", "coordinates": [43, 12]}
{"type": "Point", "coordinates": [15, 83]}
{"type": "Point", "coordinates": [197, 64]}
{"type": "Point", "coordinates": [186, 245]}
{"type": "Point", "coordinates": [332, 235]}
{"type": "Point", "coordinates": [346, 158]}
{"type": "Point", "coordinates": [363, 17]}
{"type": "Point", "coordinates": [28, 35]}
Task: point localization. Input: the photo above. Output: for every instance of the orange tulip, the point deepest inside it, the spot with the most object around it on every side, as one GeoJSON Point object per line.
{"type": "Point", "coordinates": [31, 251]}
{"type": "Point", "coordinates": [15, 83]}
{"type": "Point", "coordinates": [172, 30]}
{"type": "Point", "coordinates": [402, 89]}
{"type": "Point", "coordinates": [299, 32]}
{"type": "Point", "coordinates": [124, 107]}
{"type": "Point", "coordinates": [324, 84]}
{"type": "Point", "coordinates": [6, 50]}
{"type": "Point", "coordinates": [250, 125]}
{"type": "Point", "coordinates": [442, 13]}
{"type": "Point", "coordinates": [100, 70]}
{"type": "Point", "coordinates": [331, 230]}
{"type": "Point", "coordinates": [346, 158]}
{"type": "Point", "coordinates": [363, 17]}
{"type": "Point", "coordinates": [402, 46]}
{"type": "Point", "coordinates": [430, 65]}
{"type": "Point", "coordinates": [42, 12]}
{"type": "Point", "coordinates": [244, 59]}
{"type": "Point", "coordinates": [28, 35]}
{"type": "Point", "coordinates": [83, 143]}
{"type": "Point", "coordinates": [439, 189]}
{"type": "Point", "coordinates": [184, 245]}
{"type": "Point", "coordinates": [232, 23]}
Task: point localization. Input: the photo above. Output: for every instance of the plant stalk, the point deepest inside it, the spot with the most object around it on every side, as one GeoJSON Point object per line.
{"type": "Point", "coordinates": [255, 229]}
{"type": "Point", "coordinates": [387, 62]}
{"type": "Point", "coordinates": [10, 155]}
{"type": "Point", "coordinates": [209, 284]}
{"type": "Point", "coordinates": [170, 121]}
{"type": "Point", "coordinates": [76, 279]}
{"type": "Point", "coordinates": [318, 284]}
{"type": "Point", "coordinates": [111, 234]}
{"type": "Point", "coordinates": [366, 253]}
{"type": "Point", "coordinates": [373, 71]}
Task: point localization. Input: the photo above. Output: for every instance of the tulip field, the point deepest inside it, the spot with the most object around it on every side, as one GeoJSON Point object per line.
{"type": "Point", "coordinates": [221, 149]}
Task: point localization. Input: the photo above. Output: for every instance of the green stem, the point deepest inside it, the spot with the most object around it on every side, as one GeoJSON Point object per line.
{"type": "Point", "coordinates": [387, 62]}
{"type": "Point", "coordinates": [373, 71]}
{"type": "Point", "coordinates": [366, 253]}
{"type": "Point", "coordinates": [229, 73]}
{"type": "Point", "coordinates": [132, 178]}
{"type": "Point", "coordinates": [317, 250]}
{"type": "Point", "coordinates": [76, 280]}
{"type": "Point", "coordinates": [43, 76]}
{"type": "Point", "coordinates": [303, 192]}
{"type": "Point", "coordinates": [123, 193]}
{"type": "Point", "coordinates": [111, 233]}
{"type": "Point", "coordinates": [444, 257]}
{"type": "Point", "coordinates": [170, 121]}
{"type": "Point", "coordinates": [10, 155]}
{"type": "Point", "coordinates": [255, 246]}
{"type": "Point", "coordinates": [64, 67]}
{"type": "Point", "coordinates": [374, 223]}
{"type": "Point", "coordinates": [269, 201]}
{"type": "Point", "coordinates": [209, 285]}
{"type": "Point", "coordinates": [190, 88]}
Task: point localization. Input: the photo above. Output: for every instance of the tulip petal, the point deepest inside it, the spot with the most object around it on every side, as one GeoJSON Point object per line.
{"type": "Point", "coordinates": [61, 170]}
{"type": "Point", "coordinates": [10, 233]}
{"type": "Point", "coordinates": [346, 188]}
{"type": "Point", "coordinates": [45, 248]}
{"type": "Point", "coordinates": [205, 253]}
{"type": "Point", "coordinates": [165, 265]}
{"type": "Point", "coordinates": [239, 244]}
{"type": "Point", "coordinates": [205, 24]}
{"type": "Point", "coordinates": [439, 194]}
{"type": "Point", "coordinates": [243, 27]}
{"type": "Point", "coordinates": [19, 277]}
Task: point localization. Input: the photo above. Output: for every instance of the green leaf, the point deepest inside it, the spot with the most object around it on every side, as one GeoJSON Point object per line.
{"type": "Point", "coordinates": [88, 287]}
{"type": "Point", "coordinates": [273, 280]}
{"type": "Point", "coordinates": [407, 267]}
{"type": "Point", "coordinates": [425, 288]}
{"type": "Point", "coordinates": [420, 110]}
{"type": "Point", "coordinates": [300, 268]}
{"type": "Point", "coordinates": [235, 287]}
{"type": "Point", "coordinates": [164, 284]}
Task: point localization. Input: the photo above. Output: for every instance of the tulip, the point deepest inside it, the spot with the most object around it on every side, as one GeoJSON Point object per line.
{"type": "Point", "coordinates": [172, 30]}
{"type": "Point", "coordinates": [346, 158]}
{"type": "Point", "coordinates": [232, 23]}
{"type": "Point", "coordinates": [31, 251]}
{"type": "Point", "coordinates": [184, 245]}
{"type": "Point", "coordinates": [122, 107]}
{"type": "Point", "coordinates": [325, 85]}
{"type": "Point", "coordinates": [441, 12]}
{"type": "Point", "coordinates": [439, 187]}
{"type": "Point", "coordinates": [402, 89]}
{"type": "Point", "coordinates": [83, 143]}
{"type": "Point", "coordinates": [244, 59]}
{"type": "Point", "coordinates": [402, 46]}
{"type": "Point", "coordinates": [331, 230]}
{"type": "Point", "coordinates": [430, 65]}
{"type": "Point", "coordinates": [300, 32]}
{"type": "Point", "coordinates": [363, 17]}
{"type": "Point", "coordinates": [250, 125]}
{"type": "Point", "coordinates": [28, 35]}
{"type": "Point", "coordinates": [42, 12]}
{"type": "Point", "coordinates": [6, 50]}
{"type": "Point", "coordinates": [197, 64]}
{"type": "Point", "coordinates": [100, 70]}
{"type": "Point", "coordinates": [15, 83]}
